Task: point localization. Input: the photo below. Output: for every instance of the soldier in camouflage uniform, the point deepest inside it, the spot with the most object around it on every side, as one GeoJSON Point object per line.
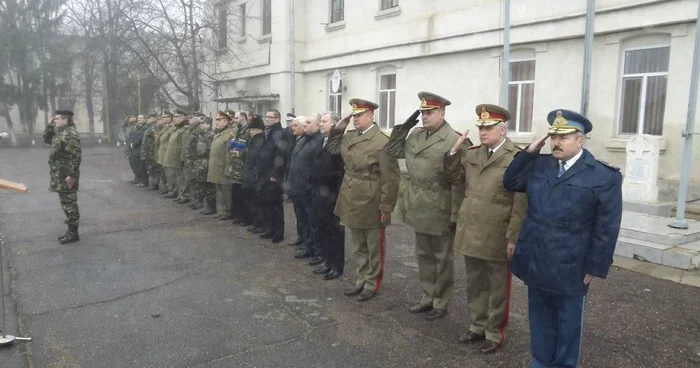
{"type": "Point", "coordinates": [136, 142]}
{"type": "Point", "coordinates": [148, 152]}
{"type": "Point", "coordinates": [236, 149]}
{"type": "Point", "coordinates": [201, 189]}
{"type": "Point", "coordinates": [130, 125]}
{"type": "Point", "coordinates": [187, 155]}
{"type": "Point", "coordinates": [64, 168]}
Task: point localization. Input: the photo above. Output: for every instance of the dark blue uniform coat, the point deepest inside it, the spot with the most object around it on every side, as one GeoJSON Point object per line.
{"type": "Point", "coordinates": [572, 222]}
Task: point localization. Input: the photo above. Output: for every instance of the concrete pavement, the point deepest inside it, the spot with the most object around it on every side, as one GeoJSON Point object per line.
{"type": "Point", "coordinates": [155, 284]}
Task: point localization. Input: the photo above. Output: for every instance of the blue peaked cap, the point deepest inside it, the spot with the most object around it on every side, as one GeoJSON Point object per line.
{"type": "Point", "coordinates": [566, 122]}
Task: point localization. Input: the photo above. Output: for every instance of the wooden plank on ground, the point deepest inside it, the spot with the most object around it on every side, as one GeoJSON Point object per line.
{"type": "Point", "coordinates": [11, 185]}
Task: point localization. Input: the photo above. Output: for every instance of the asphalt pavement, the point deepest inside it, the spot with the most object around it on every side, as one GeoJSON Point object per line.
{"type": "Point", "coordinates": [155, 284]}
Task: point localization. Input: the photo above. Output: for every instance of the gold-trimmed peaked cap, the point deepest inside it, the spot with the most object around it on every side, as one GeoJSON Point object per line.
{"type": "Point", "coordinates": [222, 115]}
{"type": "Point", "coordinates": [359, 106]}
{"type": "Point", "coordinates": [565, 122]}
{"type": "Point", "coordinates": [491, 115]}
{"type": "Point", "coordinates": [431, 101]}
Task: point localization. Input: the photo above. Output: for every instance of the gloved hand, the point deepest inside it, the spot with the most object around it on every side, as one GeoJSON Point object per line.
{"type": "Point", "coordinates": [412, 120]}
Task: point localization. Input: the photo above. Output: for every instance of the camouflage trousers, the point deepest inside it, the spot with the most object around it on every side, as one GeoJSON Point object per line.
{"type": "Point", "coordinates": [202, 190]}
{"type": "Point", "coordinates": [69, 204]}
{"type": "Point", "coordinates": [162, 177]}
{"type": "Point", "coordinates": [153, 171]}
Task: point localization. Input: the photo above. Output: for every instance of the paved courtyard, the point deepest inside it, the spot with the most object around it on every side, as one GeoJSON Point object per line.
{"type": "Point", "coordinates": [154, 284]}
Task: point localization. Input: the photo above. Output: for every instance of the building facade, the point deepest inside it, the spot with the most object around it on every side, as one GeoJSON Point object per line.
{"type": "Point", "coordinates": [283, 53]}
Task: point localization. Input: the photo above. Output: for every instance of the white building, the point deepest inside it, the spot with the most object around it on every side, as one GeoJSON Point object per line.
{"type": "Point", "coordinates": [389, 50]}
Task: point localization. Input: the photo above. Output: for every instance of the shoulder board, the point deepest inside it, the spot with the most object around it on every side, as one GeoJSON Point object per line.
{"type": "Point", "coordinates": [476, 146]}
{"type": "Point", "coordinates": [608, 165]}
{"type": "Point", "coordinates": [385, 133]}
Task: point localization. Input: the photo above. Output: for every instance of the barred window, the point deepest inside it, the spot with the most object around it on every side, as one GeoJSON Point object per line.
{"type": "Point", "coordinates": [643, 94]}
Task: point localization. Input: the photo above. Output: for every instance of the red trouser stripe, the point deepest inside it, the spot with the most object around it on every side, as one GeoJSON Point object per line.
{"type": "Point", "coordinates": [504, 323]}
{"type": "Point", "coordinates": [382, 240]}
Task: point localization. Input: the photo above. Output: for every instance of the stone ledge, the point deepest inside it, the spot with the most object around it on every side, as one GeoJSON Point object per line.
{"type": "Point", "coordinates": [620, 144]}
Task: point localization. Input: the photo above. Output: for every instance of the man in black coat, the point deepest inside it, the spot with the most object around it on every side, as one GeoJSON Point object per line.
{"type": "Point", "coordinates": [326, 177]}
{"type": "Point", "coordinates": [272, 164]}
{"type": "Point", "coordinates": [299, 187]}
{"type": "Point", "coordinates": [250, 209]}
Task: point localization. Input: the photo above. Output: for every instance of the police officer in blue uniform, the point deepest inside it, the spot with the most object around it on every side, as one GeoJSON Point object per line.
{"type": "Point", "coordinates": [568, 237]}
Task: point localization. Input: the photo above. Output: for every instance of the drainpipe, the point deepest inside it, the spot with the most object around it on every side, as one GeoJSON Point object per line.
{"type": "Point", "coordinates": [505, 63]}
{"type": "Point", "coordinates": [291, 42]}
{"type": "Point", "coordinates": [587, 57]}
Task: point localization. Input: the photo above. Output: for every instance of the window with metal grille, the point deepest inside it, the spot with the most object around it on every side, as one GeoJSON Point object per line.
{"type": "Point", "coordinates": [335, 99]}
{"type": "Point", "coordinates": [643, 90]}
{"type": "Point", "coordinates": [521, 94]}
{"type": "Point", "coordinates": [241, 8]}
{"type": "Point", "coordinates": [223, 29]}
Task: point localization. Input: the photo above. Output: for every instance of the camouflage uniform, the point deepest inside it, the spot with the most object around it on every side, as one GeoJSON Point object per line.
{"type": "Point", "coordinates": [236, 161]}
{"type": "Point", "coordinates": [64, 161]}
{"type": "Point", "coordinates": [135, 156]}
{"type": "Point", "coordinates": [201, 188]}
{"type": "Point", "coordinates": [186, 157]}
{"type": "Point", "coordinates": [148, 154]}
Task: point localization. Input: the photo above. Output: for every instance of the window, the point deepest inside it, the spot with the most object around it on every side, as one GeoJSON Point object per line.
{"type": "Point", "coordinates": [267, 17]}
{"type": "Point", "coordinates": [335, 99]}
{"type": "Point", "coordinates": [388, 4]}
{"type": "Point", "coordinates": [243, 16]}
{"type": "Point", "coordinates": [521, 93]}
{"type": "Point", "coordinates": [387, 100]}
{"type": "Point", "coordinates": [223, 29]}
{"type": "Point", "coordinates": [337, 10]}
{"type": "Point", "coordinates": [643, 94]}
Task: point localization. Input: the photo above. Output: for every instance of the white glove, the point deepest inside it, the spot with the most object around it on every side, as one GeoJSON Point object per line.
{"type": "Point", "coordinates": [4, 135]}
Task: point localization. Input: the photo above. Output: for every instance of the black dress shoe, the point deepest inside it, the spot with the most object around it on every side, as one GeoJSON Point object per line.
{"type": "Point", "coordinates": [236, 221]}
{"type": "Point", "coordinates": [267, 236]}
{"type": "Point", "coordinates": [470, 337]}
{"type": "Point", "coordinates": [436, 314]}
{"type": "Point", "coordinates": [418, 308]}
{"type": "Point", "coordinates": [489, 347]}
{"type": "Point", "coordinates": [322, 270]}
{"type": "Point", "coordinates": [332, 274]}
{"type": "Point", "coordinates": [208, 212]}
{"type": "Point", "coordinates": [366, 295]}
{"type": "Point", "coordinates": [256, 231]}
{"type": "Point", "coordinates": [315, 261]}
{"type": "Point", "coordinates": [355, 290]}
{"type": "Point", "coordinates": [296, 242]}
{"type": "Point", "coordinates": [277, 239]}
{"type": "Point", "coordinates": [303, 254]}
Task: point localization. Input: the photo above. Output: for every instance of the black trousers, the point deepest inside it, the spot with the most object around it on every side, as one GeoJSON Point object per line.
{"type": "Point", "coordinates": [273, 216]}
{"type": "Point", "coordinates": [331, 234]}
{"type": "Point", "coordinates": [250, 213]}
{"type": "Point", "coordinates": [236, 201]}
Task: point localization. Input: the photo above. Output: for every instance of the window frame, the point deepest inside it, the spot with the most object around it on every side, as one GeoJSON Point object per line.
{"type": "Point", "coordinates": [387, 113]}
{"type": "Point", "coordinates": [336, 96]}
{"type": "Point", "coordinates": [520, 94]}
{"type": "Point", "coordinates": [266, 17]}
{"type": "Point", "coordinates": [643, 89]}
{"type": "Point", "coordinates": [242, 8]}
{"type": "Point", "coordinates": [331, 12]}
{"type": "Point", "coordinates": [381, 5]}
{"type": "Point", "coordinates": [222, 29]}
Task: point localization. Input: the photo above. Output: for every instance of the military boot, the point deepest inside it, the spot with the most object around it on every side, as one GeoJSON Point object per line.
{"type": "Point", "coordinates": [66, 234]}
{"type": "Point", "coordinates": [71, 236]}
{"type": "Point", "coordinates": [197, 205]}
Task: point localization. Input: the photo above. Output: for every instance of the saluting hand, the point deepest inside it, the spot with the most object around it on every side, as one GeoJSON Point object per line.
{"type": "Point", "coordinates": [460, 142]}
{"type": "Point", "coordinates": [343, 123]}
{"type": "Point", "coordinates": [412, 120]}
{"type": "Point", "coordinates": [537, 145]}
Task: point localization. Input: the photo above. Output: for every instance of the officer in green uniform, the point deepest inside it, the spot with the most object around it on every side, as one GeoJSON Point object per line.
{"type": "Point", "coordinates": [64, 169]}
{"type": "Point", "coordinates": [488, 224]}
{"type": "Point", "coordinates": [163, 138]}
{"type": "Point", "coordinates": [368, 193]}
{"type": "Point", "coordinates": [148, 152]}
{"type": "Point", "coordinates": [427, 202]}
{"type": "Point", "coordinates": [173, 154]}
{"type": "Point", "coordinates": [217, 165]}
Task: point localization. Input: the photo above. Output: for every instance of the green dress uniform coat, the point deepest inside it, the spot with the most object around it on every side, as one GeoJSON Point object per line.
{"type": "Point", "coordinates": [173, 154]}
{"type": "Point", "coordinates": [371, 181]}
{"type": "Point", "coordinates": [218, 157]}
{"type": "Point", "coordinates": [163, 140]}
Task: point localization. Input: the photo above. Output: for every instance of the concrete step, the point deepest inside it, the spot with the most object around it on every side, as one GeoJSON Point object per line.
{"type": "Point", "coordinates": [655, 229]}
{"type": "Point", "coordinates": [686, 256]}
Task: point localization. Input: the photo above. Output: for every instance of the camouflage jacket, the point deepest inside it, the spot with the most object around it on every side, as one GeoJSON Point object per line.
{"type": "Point", "coordinates": [189, 143]}
{"type": "Point", "coordinates": [200, 164]}
{"type": "Point", "coordinates": [237, 155]}
{"type": "Point", "coordinates": [128, 129]}
{"type": "Point", "coordinates": [148, 145]}
{"type": "Point", "coordinates": [64, 157]}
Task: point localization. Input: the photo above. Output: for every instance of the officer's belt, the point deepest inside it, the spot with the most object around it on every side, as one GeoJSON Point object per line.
{"type": "Point", "coordinates": [573, 226]}
{"type": "Point", "coordinates": [362, 175]}
{"type": "Point", "coordinates": [429, 184]}
{"type": "Point", "coordinates": [496, 198]}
